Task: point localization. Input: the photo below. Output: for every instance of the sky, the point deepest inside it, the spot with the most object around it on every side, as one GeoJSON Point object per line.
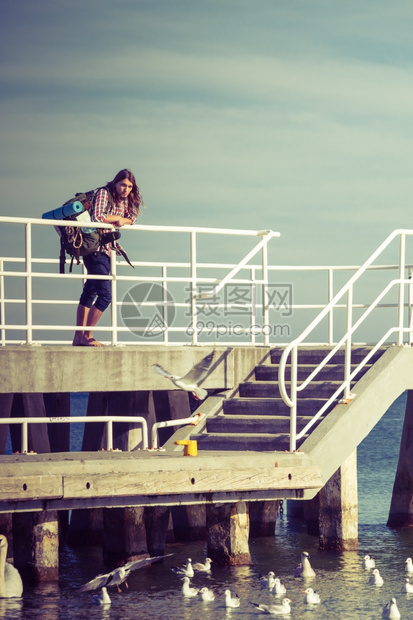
{"type": "Point", "coordinates": [290, 115]}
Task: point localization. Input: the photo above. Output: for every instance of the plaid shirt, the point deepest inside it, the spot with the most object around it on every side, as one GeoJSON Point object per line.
{"type": "Point", "coordinates": [102, 207]}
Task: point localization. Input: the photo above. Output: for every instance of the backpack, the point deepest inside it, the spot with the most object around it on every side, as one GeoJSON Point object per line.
{"type": "Point", "coordinates": [77, 241]}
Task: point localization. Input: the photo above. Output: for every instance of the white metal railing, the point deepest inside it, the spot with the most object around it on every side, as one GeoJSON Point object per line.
{"type": "Point", "coordinates": [198, 302]}
{"type": "Point", "coordinates": [401, 327]}
{"type": "Point", "coordinates": [204, 281]}
{"type": "Point", "coordinates": [108, 422]}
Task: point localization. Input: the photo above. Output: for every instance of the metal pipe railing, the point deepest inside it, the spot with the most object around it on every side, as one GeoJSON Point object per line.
{"type": "Point", "coordinates": [196, 280]}
{"type": "Point", "coordinates": [107, 420]}
{"type": "Point", "coordinates": [192, 420]}
{"type": "Point", "coordinates": [346, 291]}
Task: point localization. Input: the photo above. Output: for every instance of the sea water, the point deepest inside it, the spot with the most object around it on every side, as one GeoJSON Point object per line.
{"type": "Point", "coordinates": [342, 583]}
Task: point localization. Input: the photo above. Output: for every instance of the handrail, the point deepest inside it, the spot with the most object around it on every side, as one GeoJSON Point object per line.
{"type": "Point", "coordinates": [197, 283]}
{"type": "Point", "coordinates": [107, 420]}
{"type": "Point", "coordinates": [347, 290]}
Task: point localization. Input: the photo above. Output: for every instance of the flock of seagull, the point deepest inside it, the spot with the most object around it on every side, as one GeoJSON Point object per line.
{"type": "Point", "coordinates": [273, 584]}
{"type": "Point", "coordinates": [115, 578]}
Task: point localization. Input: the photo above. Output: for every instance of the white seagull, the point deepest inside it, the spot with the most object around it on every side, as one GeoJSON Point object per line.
{"type": "Point", "coordinates": [187, 589]}
{"type": "Point", "coordinates": [267, 581]}
{"type": "Point", "coordinates": [304, 569]}
{"type": "Point", "coordinates": [207, 595]}
{"type": "Point", "coordinates": [311, 597]}
{"type": "Point", "coordinates": [407, 587]}
{"type": "Point", "coordinates": [279, 589]}
{"type": "Point", "coordinates": [369, 562]}
{"type": "Point", "coordinates": [119, 575]}
{"type": "Point", "coordinates": [275, 610]}
{"type": "Point", "coordinates": [231, 601]}
{"type": "Point", "coordinates": [376, 579]}
{"type": "Point", "coordinates": [185, 571]}
{"type": "Point", "coordinates": [408, 565]}
{"type": "Point", "coordinates": [11, 585]}
{"type": "Point", "coordinates": [390, 610]}
{"type": "Point", "coordinates": [101, 599]}
{"type": "Point", "coordinates": [190, 382]}
{"type": "Point", "coordinates": [203, 568]}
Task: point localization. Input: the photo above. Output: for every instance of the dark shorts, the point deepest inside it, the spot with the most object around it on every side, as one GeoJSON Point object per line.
{"type": "Point", "coordinates": [97, 292]}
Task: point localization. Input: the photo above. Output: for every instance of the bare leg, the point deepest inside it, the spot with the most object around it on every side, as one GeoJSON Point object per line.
{"type": "Point", "coordinates": [82, 314]}
{"type": "Point", "coordinates": [92, 319]}
{"type": "Point", "coordinates": [87, 317]}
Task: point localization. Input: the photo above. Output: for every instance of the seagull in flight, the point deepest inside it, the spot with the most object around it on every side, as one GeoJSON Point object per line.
{"type": "Point", "coordinates": [119, 575]}
{"type": "Point", "coordinates": [190, 382]}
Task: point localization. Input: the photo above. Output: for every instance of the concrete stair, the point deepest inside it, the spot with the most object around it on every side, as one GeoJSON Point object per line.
{"type": "Point", "coordinates": [256, 418]}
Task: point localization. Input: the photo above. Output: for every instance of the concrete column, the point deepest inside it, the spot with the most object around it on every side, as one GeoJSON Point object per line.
{"type": "Point", "coordinates": [6, 401]}
{"type": "Point", "coordinates": [228, 533]}
{"type": "Point", "coordinates": [156, 524]}
{"type": "Point", "coordinates": [338, 516]}
{"type": "Point", "coordinates": [311, 509]}
{"type": "Point", "coordinates": [30, 406]}
{"type": "Point", "coordinates": [85, 527]}
{"type": "Point", "coordinates": [36, 546]}
{"type": "Point", "coordinates": [401, 507]}
{"type": "Point", "coordinates": [170, 405]}
{"type": "Point", "coordinates": [263, 517]}
{"type": "Point", "coordinates": [58, 405]}
{"type": "Point", "coordinates": [128, 436]}
{"type": "Point", "coordinates": [189, 522]}
{"type": "Point", "coordinates": [124, 534]}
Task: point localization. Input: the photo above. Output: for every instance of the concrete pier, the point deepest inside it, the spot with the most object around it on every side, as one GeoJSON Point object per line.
{"type": "Point", "coordinates": [338, 513]}
{"type": "Point", "coordinates": [401, 508]}
{"type": "Point", "coordinates": [228, 532]}
{"type": "Point", "coordinates": [36, 546]}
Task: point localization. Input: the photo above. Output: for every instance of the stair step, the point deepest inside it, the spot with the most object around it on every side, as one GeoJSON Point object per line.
{"type": "Point", "coordinates": [253, 424]}
{"type": "Point", "coordinates": [270, 406]}
{"type": "Point", "coordinates": [330, 372]}
{"type": "Point", "coordinates": [242, 442]}
{"type": "Point", "coordinates": [270, 389]}
{"type": "Point", "coordinates": [308, 355]}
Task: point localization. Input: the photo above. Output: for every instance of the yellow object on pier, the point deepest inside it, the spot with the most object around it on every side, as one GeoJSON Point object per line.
{"type": "Point", "coordinates": [190, 446]}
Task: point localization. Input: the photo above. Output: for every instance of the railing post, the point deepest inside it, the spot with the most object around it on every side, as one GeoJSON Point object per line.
{"type": "Point", "coordinates": [109, 435]}
{"type": "Point", "coordinates": [402, 251]}
{"type": "Point", "coordinates": [293, 397]}
{"type": "Point", "coordinates": [193, 268]}
{"type": "Point", "coordinates": [24, 438]}
{"type": "Point", "coordinates": [331, 313]}
{"type": "Point", "coordinates": [29, 291]}
{"type": "Point", "coordinates": [2, 303]}
{"type": "Point", "coordinates": [410, 306]}
{"type": "Point", "coordinates": [265, 294]}
{"type": "Point", "coordinates": [114, 308]}
{"type": "Point", "coordinates": [347, 358]}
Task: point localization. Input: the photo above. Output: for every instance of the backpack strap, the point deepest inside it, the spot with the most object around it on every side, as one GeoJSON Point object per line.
{"type": "Point", "coordinates": [125, 256]}
{"type": "Point", "coordinates": [62, 257]}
